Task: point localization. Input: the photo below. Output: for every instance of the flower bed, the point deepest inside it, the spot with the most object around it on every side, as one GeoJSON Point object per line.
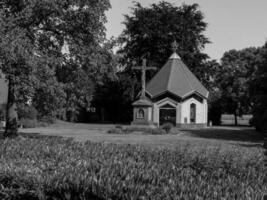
{"type": "Point", "coordinates": [56, 168]}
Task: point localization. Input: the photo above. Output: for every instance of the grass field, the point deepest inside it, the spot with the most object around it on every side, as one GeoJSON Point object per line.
{"type": "Point", "coordinates": [224, 137]}
{"type": "Point", "coordinates": [211, 163]}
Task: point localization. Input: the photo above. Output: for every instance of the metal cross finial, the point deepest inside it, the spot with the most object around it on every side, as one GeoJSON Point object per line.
{"type": "Point", "coordinates": [174, 46]}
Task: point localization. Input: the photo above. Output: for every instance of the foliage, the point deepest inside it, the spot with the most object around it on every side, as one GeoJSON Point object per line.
{"type": "Point", "coordinates": [215, 106]}
{"type": "Point", "coordinates": [49, 97]}
{"type": "Point", "coordinates": [167, 127]}
{"type": "Point", "coordinates": [234, 78]}
{"type": "Point", "coordinates": [28, 112]}
{"type": "Point", "coordinates": [28, 123]}
{"type": "Point", "coordinates": [116, 131]}
{"type": "Point", "coordinates": [54, 168]}
{"type": "Point", "coordinates": [40, 39]}
{"type": "Point", "coordinates": [158, 131]}
{"type": "Point", "coordinates": [143, 130]}
{"type": "Point", "coordinates": [258, 90]}
{"type": "Point", "coordinates": [149, 33]}
{"type": "Point", "coordinates": [16, 53]}
{"type": "Point", "coordinates": [242, 83]}
{"type": "Point", "coordinates": [34, 123]}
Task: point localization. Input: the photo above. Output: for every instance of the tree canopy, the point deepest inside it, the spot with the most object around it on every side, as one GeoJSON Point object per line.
{"type": "Point", "coordinates": [41, 38]}
{"type": "Point", "coordinates": [150, 31]}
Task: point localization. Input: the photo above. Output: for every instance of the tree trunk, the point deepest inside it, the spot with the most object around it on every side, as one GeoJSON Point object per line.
{"type": "Point", "coordinates": [11, 112]}
{"type": "Point", "coordinates": [265, 146]}
{"type": "Point", "coordinates": [70, 116]}
{"type": "Point", "coordinates": [236, 123]}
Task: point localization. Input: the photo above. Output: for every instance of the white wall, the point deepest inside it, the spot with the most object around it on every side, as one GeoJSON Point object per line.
{"type": "Point", "coordinates": [183, 110]}
{"type": "Point", "coordinates": [201, 111]}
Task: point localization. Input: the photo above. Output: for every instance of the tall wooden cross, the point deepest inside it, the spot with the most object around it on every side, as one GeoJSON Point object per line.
{"type": "Point", "coordinates": [143, 69]}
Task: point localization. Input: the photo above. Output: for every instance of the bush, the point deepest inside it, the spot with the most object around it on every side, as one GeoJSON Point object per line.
{"type": "Point", "coordinates": [27, 112]}
{"type": "Point", "coordinates": [47, 120]}
{"type": "Point", "coordinates": [167, 127]}
{"type": "Point", "coordinates": [28, 123]}
{"type": "Point", "coordinates": [158, 131]}
{"type": "Point", "coordinates": [33, 123]}
{"type": "Point", "coordinates": [142, 129]}
{"type": "Point", "coordinates": [54, 168]}
{"type": "Point", "coordinates": [116, 131]}
{"type": "Point", "coordinates": [118, 126]}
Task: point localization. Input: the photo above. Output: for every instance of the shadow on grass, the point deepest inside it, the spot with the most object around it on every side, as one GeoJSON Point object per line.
{"type": "Point", "coordinates": [228, 133]}
{"type": "Point", "coordinates": [30, 135]}
{"type": "Point", "coordinates": [258, 145]}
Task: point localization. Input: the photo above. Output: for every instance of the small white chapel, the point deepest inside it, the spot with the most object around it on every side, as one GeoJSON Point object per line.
{"type": "Point", "coordinates": [174, 95]}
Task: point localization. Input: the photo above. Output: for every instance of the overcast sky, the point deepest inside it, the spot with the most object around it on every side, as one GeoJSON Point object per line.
{"type": "Point", "coordinates": [232, 24]}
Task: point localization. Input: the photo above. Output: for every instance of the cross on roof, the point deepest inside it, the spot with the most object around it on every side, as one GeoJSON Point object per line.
{"type": "Point", "coordinates": [143, 69]}
{"type": "Point", "coordinates": [174, 46]}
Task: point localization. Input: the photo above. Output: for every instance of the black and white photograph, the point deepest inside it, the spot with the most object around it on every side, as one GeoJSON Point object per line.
{"type": "Point", "coordinates": [133, 100]}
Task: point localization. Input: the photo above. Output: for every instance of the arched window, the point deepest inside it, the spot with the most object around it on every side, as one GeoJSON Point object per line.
{"type": "Point", "coordinates": [192, 113]}
{"type": "Point", "coordinates": [140, 114]}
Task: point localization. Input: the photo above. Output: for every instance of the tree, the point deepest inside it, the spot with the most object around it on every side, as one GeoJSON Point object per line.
{"type": "Point", "coordinates": [234, 78]}
{"type": "Point", "coordinates": [258, 91]}
{"type": "Point", "coordinates": [15, 54]}
{"type": "Point", "coordinates": [149, 32]}
{"type": "Point", "coordinates": [37, 31]}
{"type": "Point", "coordinates": [49, 97]}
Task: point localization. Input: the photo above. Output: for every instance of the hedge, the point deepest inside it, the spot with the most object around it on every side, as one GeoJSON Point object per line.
{"type": "Point", "coordinates": [56, 168]}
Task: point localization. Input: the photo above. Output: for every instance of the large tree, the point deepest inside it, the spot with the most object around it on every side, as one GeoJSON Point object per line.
{"type": "Point", "coordinates": [258, 91]}
{"type": "Point", "coordinates": [234, 78]}
{"type": "Point", "coordinates": [35, 33]}
{"type": "Point", "coordinates": [150, 31]}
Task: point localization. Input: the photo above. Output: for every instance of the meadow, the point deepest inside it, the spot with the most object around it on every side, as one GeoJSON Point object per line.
{"type": "Point", "coordinates": [188, 165]}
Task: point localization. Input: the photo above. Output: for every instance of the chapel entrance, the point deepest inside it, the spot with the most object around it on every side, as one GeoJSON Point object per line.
{"type": "Point", "coordinates": [167, 114]}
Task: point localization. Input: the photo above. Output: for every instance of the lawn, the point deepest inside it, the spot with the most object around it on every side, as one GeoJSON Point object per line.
{"type": "Point", "coordinates": [211, 163]}
{"type": "Point", "coordinates": [225, 137]}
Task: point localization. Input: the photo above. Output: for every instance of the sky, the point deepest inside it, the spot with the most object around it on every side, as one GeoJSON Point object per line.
{"type": "Point", "coordinates": [232, 24]}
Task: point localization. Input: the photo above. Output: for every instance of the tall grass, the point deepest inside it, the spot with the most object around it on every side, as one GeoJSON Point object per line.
{"type": "Point", "coordinates": [55, 168]}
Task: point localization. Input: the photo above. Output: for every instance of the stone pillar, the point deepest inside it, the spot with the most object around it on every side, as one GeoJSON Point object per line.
{"type": "Point", "coordinates": [142, 114]}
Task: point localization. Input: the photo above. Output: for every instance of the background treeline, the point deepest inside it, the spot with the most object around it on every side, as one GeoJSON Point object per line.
{"type": "Point", "coordinates": [60, 65]}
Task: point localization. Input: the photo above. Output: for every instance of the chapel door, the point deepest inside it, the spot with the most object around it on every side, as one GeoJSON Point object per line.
{"type": "Point", "coordinates": [167, 114]}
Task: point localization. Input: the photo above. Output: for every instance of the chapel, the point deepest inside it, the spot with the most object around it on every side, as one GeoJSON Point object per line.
{"type": "Point", "coordinates": [174, 95]}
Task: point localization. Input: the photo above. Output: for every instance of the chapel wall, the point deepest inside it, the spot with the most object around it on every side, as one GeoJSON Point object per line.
{"type": "Point", "coordinates": [200, 111]}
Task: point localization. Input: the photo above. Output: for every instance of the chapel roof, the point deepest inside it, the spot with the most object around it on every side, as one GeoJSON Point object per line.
{"type": "Point", "coordinates": [176, 78]}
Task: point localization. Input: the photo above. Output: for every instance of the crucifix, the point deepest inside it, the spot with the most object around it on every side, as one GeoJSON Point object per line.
{"type": "Point", "coordinates": [174, 46]}
{"type": "Point", "coordinates": [143, 69]}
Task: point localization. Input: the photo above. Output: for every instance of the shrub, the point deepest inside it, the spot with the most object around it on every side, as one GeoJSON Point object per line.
{"type": "Point", "coordinates": [47, 120]}
{"type": "Point", "coordinates": [27, 112]}
{"type": "Point", "coordinates": [55, 168]}
{"type": "Point", "coordinates": [116, 131]}
{"type": "Point", "coordinates": [158, 131]}
{"type": "Point", "coordinates": [33, 123]}
{"type": "Point", "coordinates": [118, 126]}
{"type": "Point", "coordinates": [28, 123]}
{"type": "Point", "coordinates": [167, 127]}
